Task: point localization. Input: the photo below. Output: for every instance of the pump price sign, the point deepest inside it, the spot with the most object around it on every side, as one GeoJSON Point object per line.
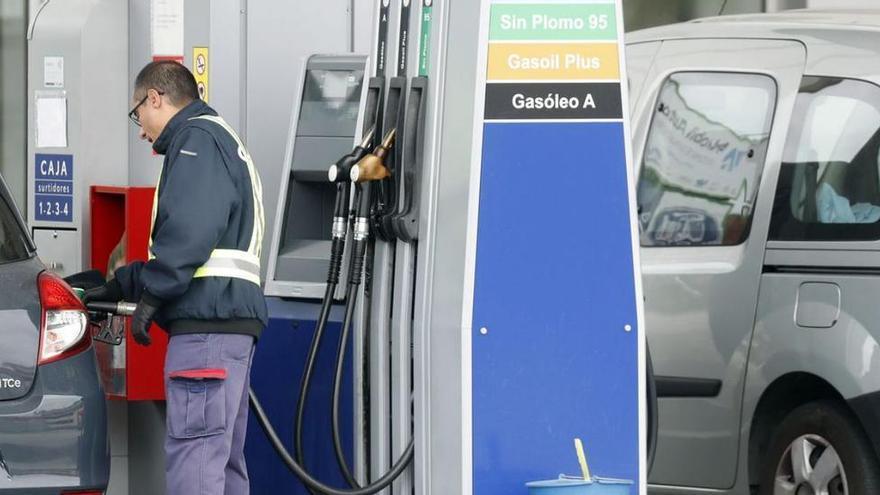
{"type": "Point", "coordinates": [557, 295]}
{"type": "Point", "coordinates": [53, 188]}
{"type": "Point", "coordinates": [553, 61]}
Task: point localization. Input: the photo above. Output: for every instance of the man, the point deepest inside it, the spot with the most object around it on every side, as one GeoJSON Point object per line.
{"type": "Point", "coordinates": [202, 281]}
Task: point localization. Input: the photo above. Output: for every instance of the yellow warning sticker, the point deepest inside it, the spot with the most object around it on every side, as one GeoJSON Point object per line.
{"type": "Point", "coordinates": [200, 70]}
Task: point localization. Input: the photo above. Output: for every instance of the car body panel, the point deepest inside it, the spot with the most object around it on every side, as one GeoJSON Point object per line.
{"type": "Point", "coordinates": [20, 314]}
{"type": "Point", "coordinates": [700, 301]}
{"type": "Point", "coordinates": [56, 436]}
{"type": "Point", "coordinates": [846, 355]}
{"type": "Point", "coordinates": [53, 424]}
{"type": "Point", "coordinates": [19, 327]}
{"type": "Point", "coordinates": [639, 58]}
{"type": "Point", "coordinates": [837, 44]}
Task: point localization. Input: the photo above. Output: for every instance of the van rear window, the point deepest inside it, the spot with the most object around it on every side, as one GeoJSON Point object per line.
{"type": "Point", "coordinates": [829, 185]}
{"type": "Point", "coordinates": [703, 158]}
{"type": "Point", "coordinates": [13, 240]}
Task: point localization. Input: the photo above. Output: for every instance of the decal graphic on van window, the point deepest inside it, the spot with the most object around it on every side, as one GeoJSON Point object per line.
{"type": "Point", "coordinates": [703, 158]}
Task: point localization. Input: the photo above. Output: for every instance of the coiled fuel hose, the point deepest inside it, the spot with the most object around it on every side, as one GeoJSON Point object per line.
{"type": "Point", "coordinates": [339, 232]}
{"type": "Point", "coordinates": [337, 173]}
{"type": "Point", "coordinates": [361, 234]}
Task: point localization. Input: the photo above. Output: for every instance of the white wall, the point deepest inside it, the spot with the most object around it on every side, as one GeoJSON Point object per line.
{"type": "Point", "coordinates": [843, 3]}
{"type": "Point", "coordinates": [13, 104]}
{"type": "Point", "coordinates": [280, 36]}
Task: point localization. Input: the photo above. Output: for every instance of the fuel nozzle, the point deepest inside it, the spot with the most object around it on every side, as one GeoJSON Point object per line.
{"type": "Point", "coordinates": [372, 166]}
{"type": "Point", "coordinates": [121, 308]}
{"type": "Point", "coordinates": [339, 171]}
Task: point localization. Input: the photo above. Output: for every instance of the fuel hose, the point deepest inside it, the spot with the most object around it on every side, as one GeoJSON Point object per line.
{"type": "Point", "coordinates": [361, 233]}
{"type": "Point", "coordinates": [361, 236]}
{"type": "Point", "coordinates": [365, 173]}
{"type": "Point", "coordinates": [305, 477]}
{"type": "Point", "coordinates": [337, 249]}
{"type": "Point", "coordinates": [337, 173]}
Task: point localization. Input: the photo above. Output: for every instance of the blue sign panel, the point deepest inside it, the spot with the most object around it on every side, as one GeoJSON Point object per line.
{"type": "Point", "coordinates": [554, 291]}
{"type": "Point", "coordinates": [556, 351]}
{"type": "Point", "coordinates": [53, 188]}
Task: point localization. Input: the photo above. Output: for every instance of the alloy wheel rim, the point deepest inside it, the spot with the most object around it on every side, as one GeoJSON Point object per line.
{"type": "Point", "coordinates": [810, 466]}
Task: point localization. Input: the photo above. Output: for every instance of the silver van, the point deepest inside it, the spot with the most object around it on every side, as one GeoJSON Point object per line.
{"type": "Point", "coordinates": [757, 144]}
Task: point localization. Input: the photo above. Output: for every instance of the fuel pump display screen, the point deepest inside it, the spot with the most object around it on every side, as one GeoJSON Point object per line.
{"type": "Point", "coordinates": [324, 127]}
{"type": "Point", "coordinates": [330, 103]}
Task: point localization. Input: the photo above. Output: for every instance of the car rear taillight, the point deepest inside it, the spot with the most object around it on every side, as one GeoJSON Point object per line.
{"type": "Point", "coordinates": [63, 330]}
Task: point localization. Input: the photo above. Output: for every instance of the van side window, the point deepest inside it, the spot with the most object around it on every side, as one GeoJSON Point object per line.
{"type": "Point", "coordinates": [703, 158]}
{"type": "Point", "coordinates": [829, 186]}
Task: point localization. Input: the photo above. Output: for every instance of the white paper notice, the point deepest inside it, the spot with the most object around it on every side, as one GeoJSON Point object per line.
{"type": "Point", "coordinates": [166, 27]}
{"type": "Point", "coordinates": [53, 72]}
{"type": "Point", "coordinates": [51, 122]}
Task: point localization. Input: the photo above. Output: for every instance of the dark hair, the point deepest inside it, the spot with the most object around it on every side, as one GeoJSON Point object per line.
{"type": "Point", "coordinates": [168, 77]}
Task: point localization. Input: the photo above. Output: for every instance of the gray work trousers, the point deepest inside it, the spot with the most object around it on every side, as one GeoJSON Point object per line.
{"type": "Point", "coordinates": [206, 384]}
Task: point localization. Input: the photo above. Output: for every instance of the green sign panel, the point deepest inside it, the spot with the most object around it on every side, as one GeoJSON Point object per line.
{"type": "Point", "coordinates": [425, 45]}
{"type": "Point", "coordinates": [560, 22]}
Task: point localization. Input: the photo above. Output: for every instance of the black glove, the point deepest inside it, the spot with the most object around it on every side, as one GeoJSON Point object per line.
{"type": "Point", "coordinates": [109, 292]}
{"type": "Point", "coordinates": [142, 318]}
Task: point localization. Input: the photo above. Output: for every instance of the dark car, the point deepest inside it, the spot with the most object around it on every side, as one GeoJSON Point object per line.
{"type": "Point", "coordinates": [53, 420]}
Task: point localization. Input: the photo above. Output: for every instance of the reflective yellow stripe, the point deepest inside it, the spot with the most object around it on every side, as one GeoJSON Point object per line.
{"type": "Point", "coordinates": [204, 272]}
{"type": "Point", "coordinates": [236, 255]}
{"type": "Point", "coordinates": [232, 263]}
{"type": "Point", "coordinates": [256, 243]}
{"type": "Point", "coordinates": [150, 254]}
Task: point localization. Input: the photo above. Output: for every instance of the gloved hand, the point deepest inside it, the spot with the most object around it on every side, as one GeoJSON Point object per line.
{"type": "Point", "coordinates": [141, 319]}
{"type": "Point", "coordinates": [109, 292]}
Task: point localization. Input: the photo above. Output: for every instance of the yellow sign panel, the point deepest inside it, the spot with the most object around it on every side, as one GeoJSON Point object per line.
{"type": "Point", "coordinates": [553, 61]}
{"type": "Point", "coordinates": [200, 70]}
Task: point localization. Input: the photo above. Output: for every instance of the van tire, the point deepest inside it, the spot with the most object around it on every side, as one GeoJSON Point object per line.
{"type": "Point", "coordinates": [825, 422]}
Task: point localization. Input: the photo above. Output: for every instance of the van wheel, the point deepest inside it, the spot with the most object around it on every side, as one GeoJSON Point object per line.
{"type": "Point", "coordinates": [820, 449]}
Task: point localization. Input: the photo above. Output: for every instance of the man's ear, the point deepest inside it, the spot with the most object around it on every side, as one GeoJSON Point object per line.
{"type": "Point", "coordinates": [154, 98]}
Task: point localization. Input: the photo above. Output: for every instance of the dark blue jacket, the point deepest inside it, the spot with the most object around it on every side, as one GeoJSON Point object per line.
{"type": "Point", "coordinates": [205, 202]}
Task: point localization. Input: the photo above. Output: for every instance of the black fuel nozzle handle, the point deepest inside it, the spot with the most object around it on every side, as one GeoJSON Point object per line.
{"type": "Point", "coordinates": [114, 308]}
{"type": "Point", "coordinates": [339, 231]}
{"type": "Point", "coordinates": [360, 233]}
{"type": "Point", "coordinates": [339, 171]}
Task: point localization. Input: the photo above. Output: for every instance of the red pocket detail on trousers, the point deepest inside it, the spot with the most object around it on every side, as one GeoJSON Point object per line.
{"type": "Point", "coordinates": [200, 374]}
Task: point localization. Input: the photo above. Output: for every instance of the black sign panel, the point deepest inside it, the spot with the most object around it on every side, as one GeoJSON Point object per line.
{"type": "Point", "coordinates": [524, 101]}
{"type": "Point", "coordinates": [382, 38]}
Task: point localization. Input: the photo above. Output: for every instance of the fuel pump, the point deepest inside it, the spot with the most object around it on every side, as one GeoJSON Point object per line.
{"type": "Point", "coordinates": [364, 174]}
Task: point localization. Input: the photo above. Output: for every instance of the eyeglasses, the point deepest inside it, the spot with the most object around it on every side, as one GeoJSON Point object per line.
{"type": "Point", "coordinates": [133, 114]}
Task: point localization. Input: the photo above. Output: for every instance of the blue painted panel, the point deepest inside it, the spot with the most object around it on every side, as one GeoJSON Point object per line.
{"type": "Point", "coordinates": [53, 188]}
{"type": "Point", "coordinates": [555, 288]}
{"type": "Point", "coordinates": [278, 365]}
